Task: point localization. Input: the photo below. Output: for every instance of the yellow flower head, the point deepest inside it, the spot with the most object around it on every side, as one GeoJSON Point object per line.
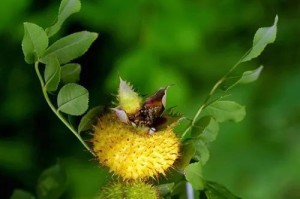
{"type": "Point", "coordinates": [134, 149]}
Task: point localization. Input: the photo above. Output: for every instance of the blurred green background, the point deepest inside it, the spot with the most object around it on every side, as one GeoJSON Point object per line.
{"type": "Point", "coordinates": [190, 43]}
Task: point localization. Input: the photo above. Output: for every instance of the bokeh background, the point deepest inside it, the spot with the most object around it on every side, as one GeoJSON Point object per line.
{"type": "Point", "coordinates": [189, 43]}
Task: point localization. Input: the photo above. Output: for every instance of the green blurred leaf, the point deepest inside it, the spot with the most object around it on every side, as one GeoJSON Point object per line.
{"type": "Point", "coordinates": [70, 73]}
{"type": "Point", "coordinates": [193, 174]}
{"type": "Point", "coordinates": [34, 42]}
{"type": "Point", "coordinates": [87, 121]}
{"type": "Point", "coordinates": [262, 38]}
{"type": "Point", "coordinates": [245, 78]}
{"type": "Point", "coordinates": [205, 128]}
{"type": "Point", "coordinates": [201, 151]}
{"type": "Point", "coordinates": [70, 47]}
{"type": "Point", "coordinates": [211, 131]}
{"type": "Point", "coordinates": [52, 74]}
{"type": "Point", "coordinates": [20, 194]}
{"type": "Point", "coordinates": [73, 99]}
{"type": "Point", "coordinates": [216, 191]}
{"type": "Point", "coordinates": [66, 9]}
{"type": "Point", "coordinates": [250, 76]}
{"type": "Point", "coordinates": [179, 189]}
{"type": "Point", "coordinates": [226, 111]}
{"type": "Point", "coordinates": [187, 152]}
{"type": "Point", "coordinates": [199, 126]}
{"type": "Point", "coordinates": [51, 183]}
{"type": "Point", "coordinates": [165, 189]}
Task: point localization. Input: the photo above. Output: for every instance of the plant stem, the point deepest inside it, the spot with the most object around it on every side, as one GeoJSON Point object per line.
{"type": "Point", "coordinates": [56, 112]}
{"type": "Point", "coordinates": [211, 93]}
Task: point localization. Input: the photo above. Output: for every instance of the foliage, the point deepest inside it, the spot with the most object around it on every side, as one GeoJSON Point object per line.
{"type": "Point", "coordinates": [72, 99]}
{"type": "Point", "coordinates": [256, 103]}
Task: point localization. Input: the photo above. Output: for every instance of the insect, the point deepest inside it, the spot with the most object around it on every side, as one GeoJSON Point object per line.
{"type": "Point", "coordinates": [150, 113]}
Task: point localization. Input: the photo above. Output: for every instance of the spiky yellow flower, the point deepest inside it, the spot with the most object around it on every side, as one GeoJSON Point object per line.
{"type": "Point", "coordinates": [130, 139]}
{"type": "Point", "coordinates": [132, 152]}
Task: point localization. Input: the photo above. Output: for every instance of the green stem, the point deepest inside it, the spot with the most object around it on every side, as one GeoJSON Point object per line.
{"type": "Point", "coordinates": [211, 93]}
{"type": "Point", "coordinates": [56, 112]}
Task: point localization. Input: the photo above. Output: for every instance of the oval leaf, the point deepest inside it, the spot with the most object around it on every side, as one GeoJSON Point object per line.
{"type": "Point", "coordinates": [201, 151]}
{"type": "Point", "coordinates": [20, 194]}
{"type": "Point", "coordinates": [210, 132]}
{"type": "Point", "coordinates": [165, 189]}
{"type": "Point", "coordinates": [187, 153]}
{"type": "Point", "coordinates": [250, 76]}
{"type": "Point", "coordinates": [66, 9]}
{"type": "Point", "coordinates": [73, 99]}
{"type": "Point", "coordinates": [87, 121]}
{"type": "Point", "coordinates": [34, 42]}
{"type": "Point", "coordinates": [70, 47]}
{"type": "Point", "coordinates": [70, 73]}
{"type": "Point", "coordinates": [216, 191]}
{"type": "Point", "coordinates": [262, 38]}
{"type": "Point", "coordinates": [223, 111]}
{"type": "Point", "coordinates": [52, 74]}
{"type": "Point", "coordinates": [51, 184]}
{"type": "Point", "coordinates": [193, 174]}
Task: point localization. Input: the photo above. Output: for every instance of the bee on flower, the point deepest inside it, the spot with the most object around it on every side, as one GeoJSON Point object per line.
{"type": "Point", "coordinates": [135, 140]}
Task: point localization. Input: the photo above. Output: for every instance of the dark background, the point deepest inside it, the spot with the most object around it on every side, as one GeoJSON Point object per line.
{"type": "Point", "coordinates": [190, 43]}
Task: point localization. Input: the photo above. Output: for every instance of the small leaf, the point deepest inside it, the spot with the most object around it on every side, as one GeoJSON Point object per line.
{"type": "Point", "coordinates": [20, 194]}
{"type": "Point", "coordinates": [73, 99]}
{"type": "Point", "coordinates": [202, 152]}
{"type": "Point", "coordinates": [52, 183]}
{"type": "Point", "coordinates": [216, 191]}
{"type": "Point", "coordinates": [245, 78]}
{"type": "Point", "coordinates": [223, 111]}
{"type": "Point", "coordinates": [262, 38]}
{"type": "Point", "coordinates": [187, 153]}
{"type": "Point", "coordinates": [205, 128]}
{"type": "Point", "coordinates": [70, 47]}
{"type": "Point", "coordinates": [193, 174]}
{"type": "Point", "coordinates": [210, 132]}
{"type": "Point", "coordinates": [34, 42]}
{"type": "Point", "coordinates": [87, 121]}
{"type": "Point", "coordinates": [70, 73]}
{"type": "Point", "coordinates": [250, 76]}
{"type": "Point", "coordinates": [165, 189]}
{"type": "Point", "coordinates": [52, 74]}
{"type": "Point", "coordinates": [180, 189]}
{"type": "Point", "coordinates": [66, 9]}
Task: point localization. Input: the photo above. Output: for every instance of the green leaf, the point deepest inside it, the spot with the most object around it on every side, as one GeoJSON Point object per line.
{"type": "Point", "coordinates": [87, 121]}
{"type": "Point", "coordinates": [245, 78]}
{"type": "Point", "coordinates": [66, 9]}
{"type": "Point", "coordinates": [165, 189]}
{"type": "Point", "coordinates": [70, 73]}
{"type": "Point", "coordinates": [262, 38]}
{"type": "Point", "coordinates": [70, 47]}
{"type": "Point", "coordinates": [51, 183]}
{"type": "Point", "coordinates": [34, 42]}
{"type": "Point", "coordinates": [216, 191]}
{"type": "Point", "coordinates": [20, 194]}
{"type": "Point", "coordinates": [206, 128]}
{"type": "Point", "coordinates": [201, 151]}
{"type": "Point", "coordinates": [223, 111]}
{"type": "Point", "coordinates": [52, 74]}
{"type": "Point", "coordinates": [73, 99]}
{"type": "Point", "coordinates": [187, 152]}
{"type": "Point", "coordinates": [193, 174]}
{"type": "Point", "coordinates": [210, 132]}
{"type": "Point", "coordinates": [250, 76]}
